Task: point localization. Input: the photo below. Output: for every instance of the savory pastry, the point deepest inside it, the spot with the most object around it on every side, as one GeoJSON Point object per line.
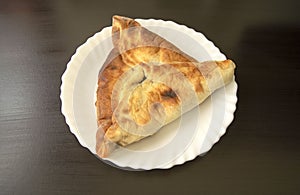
{"type": "Point", "coordinates": [147, 82]}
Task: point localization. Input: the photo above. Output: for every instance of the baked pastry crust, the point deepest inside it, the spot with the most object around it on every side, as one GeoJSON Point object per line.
{"type": "Point", "coordinates": [147, 82]}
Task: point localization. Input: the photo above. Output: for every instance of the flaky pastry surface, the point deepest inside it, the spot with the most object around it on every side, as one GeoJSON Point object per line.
{"type": "Point", "coordinates": [147, 82]}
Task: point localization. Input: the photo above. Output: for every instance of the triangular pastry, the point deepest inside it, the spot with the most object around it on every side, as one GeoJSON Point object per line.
{"type": "Point", "coordinates": [147, 82]}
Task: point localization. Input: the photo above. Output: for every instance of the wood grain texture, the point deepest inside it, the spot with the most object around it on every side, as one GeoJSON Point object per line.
{"type": "Point", "coordinates": [259, 154]}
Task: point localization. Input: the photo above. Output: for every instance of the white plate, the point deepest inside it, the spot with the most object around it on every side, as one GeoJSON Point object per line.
{"type": "Point", "coordinates": [184, 139]}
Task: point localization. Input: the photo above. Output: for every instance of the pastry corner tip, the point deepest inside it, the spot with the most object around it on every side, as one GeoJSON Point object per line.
{"type": "Point", "coordinates": [118, 17]}
{"type": "Point", "coordinates": [106, 148]}
{"type": "Point", "coordinates": [123, 21]}
{"type": "Point", "coordinates": [228, 63]}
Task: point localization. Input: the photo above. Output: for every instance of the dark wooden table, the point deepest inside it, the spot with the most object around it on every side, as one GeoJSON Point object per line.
{"type": "Point", "coordinates": [260, 153]}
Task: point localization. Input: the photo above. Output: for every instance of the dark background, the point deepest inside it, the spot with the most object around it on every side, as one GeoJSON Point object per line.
{"type": "Point", "coordinates": [259, 154]}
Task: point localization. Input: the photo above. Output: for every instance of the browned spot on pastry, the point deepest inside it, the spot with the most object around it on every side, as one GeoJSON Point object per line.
{"type": "Point", "coordinates": [125, 111]}
{"type": "Point", "coordinates": [143, 79]}
{"type": "Point", "coordinates": [169, 93]}
{"type": "Point", "coordinates": [113, 67]}
{"type": "Point", "coordinates": [155, 106]}
{"type": "Point", "coordinates": [150, 93]}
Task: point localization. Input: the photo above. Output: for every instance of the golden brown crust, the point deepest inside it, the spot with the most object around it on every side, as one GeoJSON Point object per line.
{"type": "Point", "coordinates": [114, 67]}
{"type": "Point", "coordinates": [151, 93]}
{"type": "Point", "coordinates": [147, 59]}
